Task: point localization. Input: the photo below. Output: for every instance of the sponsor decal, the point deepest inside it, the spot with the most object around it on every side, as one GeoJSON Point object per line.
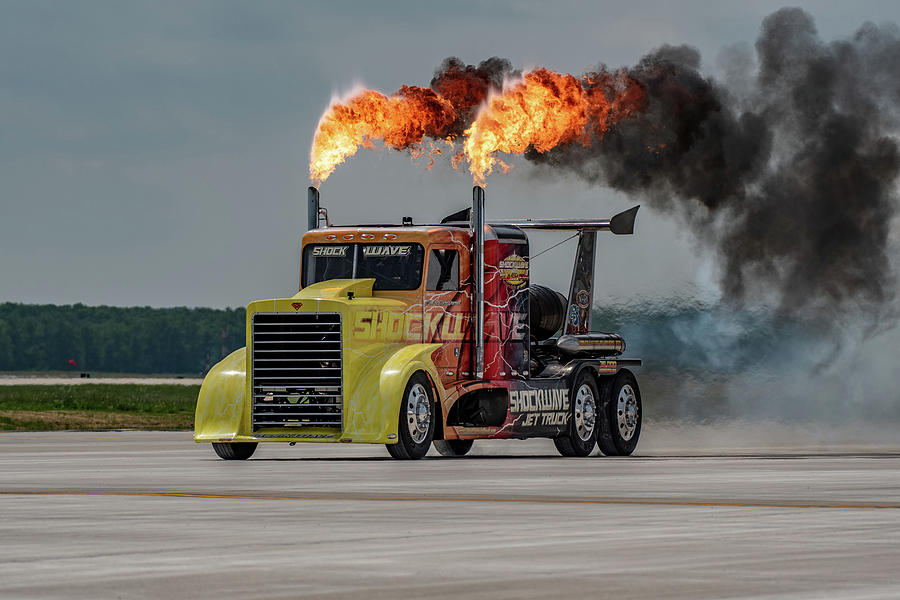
{"type": "Point", "coordinates": [339, 251]}
{"type": "Point", "coordinates": [386, 250]}
{"type": "Point", "coordinates": [599, 344]}
{"type": "Point", "coordinates": [514, 270]}
{"type": "Point", "coordinates": [296, 305]}
{"type": "Point", "coordinates": [573, 315]}
{"type": "Point", "coordinates": [389, 326]}
{"type": "Point", "coordinates": [540, 407]}
{"type": "Point", "coordinates": [607, 366]}
{"type": "Point", "coordinates": [583, 299]}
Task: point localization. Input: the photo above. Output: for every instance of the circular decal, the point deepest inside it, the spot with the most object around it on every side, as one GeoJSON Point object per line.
{"type": "Point", "coordinates": [583, 299]}
{"type": "Point", "coordinates": [514, 270]}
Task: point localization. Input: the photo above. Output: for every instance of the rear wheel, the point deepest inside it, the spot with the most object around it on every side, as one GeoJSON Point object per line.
{"type": "Point", "coordinates": [453, 447]}
{"type": "Point", "coordinates": [415, 428]}
{"type": "Point", "coordinates": [622, 416]}
{"type": "Point", "coordinates": [235, 450]}
{"type": "Point", "coordinates": [581, 436]}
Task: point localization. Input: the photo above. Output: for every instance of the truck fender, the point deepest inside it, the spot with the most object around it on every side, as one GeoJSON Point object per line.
{"type": "Point", "coordinates": [222, 403]}
{"type": "Point", "coordinates": [396, 373]}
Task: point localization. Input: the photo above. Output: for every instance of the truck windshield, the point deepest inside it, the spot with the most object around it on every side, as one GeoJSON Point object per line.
{"type": "Point", "coordinates": [393, 266]}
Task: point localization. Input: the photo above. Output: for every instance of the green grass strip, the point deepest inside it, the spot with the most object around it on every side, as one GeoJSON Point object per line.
{"type": "Point", "coordinates": [119, 398]}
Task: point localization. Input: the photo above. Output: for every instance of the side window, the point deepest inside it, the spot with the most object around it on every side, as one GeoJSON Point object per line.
{"type": "Point", "coordinates": [443, 270]}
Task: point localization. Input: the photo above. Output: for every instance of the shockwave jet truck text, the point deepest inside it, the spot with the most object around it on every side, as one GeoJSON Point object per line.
{"type": "Point", "coordinates": [408, 335]}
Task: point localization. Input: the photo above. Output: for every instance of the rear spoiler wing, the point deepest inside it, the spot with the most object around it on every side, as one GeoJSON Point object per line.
{"type": "Point", "coordinates": [621, 224]}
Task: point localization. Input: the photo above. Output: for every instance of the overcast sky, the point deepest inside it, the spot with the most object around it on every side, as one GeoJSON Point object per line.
{"type": "Point", "coordinates": [155, 153]}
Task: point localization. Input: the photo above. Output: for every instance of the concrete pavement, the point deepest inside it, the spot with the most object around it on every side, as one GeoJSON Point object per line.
{"type": "Point", "coordinates": [150, 514]}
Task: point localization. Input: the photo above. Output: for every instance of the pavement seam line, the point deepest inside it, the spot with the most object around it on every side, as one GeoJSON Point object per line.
{"type": "Point", "coordinates": [601, 502]}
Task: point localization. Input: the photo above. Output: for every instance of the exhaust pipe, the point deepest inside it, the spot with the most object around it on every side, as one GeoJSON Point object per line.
{"type": "Point", "coordinates": [477, 222]}
{"type": "Point", "coordinates": [312, 208]}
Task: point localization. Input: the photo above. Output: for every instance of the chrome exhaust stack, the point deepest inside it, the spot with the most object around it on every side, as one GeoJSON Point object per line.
{"type": "Point", "coordinates": [312, 208]}
{"type": "Point", "coordinates": [315, 214]}
{"type": "Point", "coordinates": [477, 222]}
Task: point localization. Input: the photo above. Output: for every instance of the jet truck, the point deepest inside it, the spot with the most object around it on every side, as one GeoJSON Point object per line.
{"type": "Point", "coordinates": [419, 335]}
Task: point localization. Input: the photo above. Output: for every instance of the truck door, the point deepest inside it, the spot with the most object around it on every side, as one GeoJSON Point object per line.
{"type": "Point", "coordinates": [507, 297]}
{"type": "Point", "coordinates": [446, 312]}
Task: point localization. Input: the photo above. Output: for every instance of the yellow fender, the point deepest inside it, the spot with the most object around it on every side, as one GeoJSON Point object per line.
{"type": "Point", "coordinates": [221, 405]}
{"type": "Point", "coordinates": [394, 376]}
{"type": "Point", "coordinates": [222, 410]}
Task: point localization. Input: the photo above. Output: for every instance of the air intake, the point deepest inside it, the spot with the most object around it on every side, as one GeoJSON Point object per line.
{"type": "Point", "coordinates": [297, 376]}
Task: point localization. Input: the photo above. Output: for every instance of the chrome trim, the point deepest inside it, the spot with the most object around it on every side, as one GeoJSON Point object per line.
{"type": "Point", "coordinates": [585, 412]}
{"type": "Point", "coordinates": [418, 413]}
{"type": "Point", "coordinates": [627, 412]}
{"type": "Point", "coordinates": [620, 224]}
{"type": "Point", "coordinates": [323, 216]}
{"type": "Point", "coordinates": [558, 224]}
{"type": "Point", "coordinates": [478, 233]}
{"type": "Point", "coordinates": [312, 208]}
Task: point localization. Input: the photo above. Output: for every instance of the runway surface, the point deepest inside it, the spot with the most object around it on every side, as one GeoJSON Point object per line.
{"type": "Point", "coordinates": [151, 514]}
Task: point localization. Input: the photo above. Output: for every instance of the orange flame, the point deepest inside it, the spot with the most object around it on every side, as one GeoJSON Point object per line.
{"type": "Point", "coordinates": [546, 110]}
{"type": "Point", "coordinates": [542, 111]}
{"type": "Point", "coordinates": [401, 121]}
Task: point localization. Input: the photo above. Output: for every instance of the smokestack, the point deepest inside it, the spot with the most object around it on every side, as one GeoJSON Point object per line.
{"type": "Point", "coordinates": [478, 258]}
{"type": "Point", "coordinates": [312, 209]}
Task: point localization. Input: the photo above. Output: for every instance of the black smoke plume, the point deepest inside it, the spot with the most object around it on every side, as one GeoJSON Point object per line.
{"type": "Point", "coordinates": [788, 170]}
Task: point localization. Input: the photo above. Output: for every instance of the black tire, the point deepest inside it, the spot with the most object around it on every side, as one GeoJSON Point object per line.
{"type": "Point", "coordinates": [412, 446]}
{"type": "Point", "coordinates": [453, 447]}
{"type": "Point", "coordinates": [581, 435]}
{"type": "Point", "coordinates": [621, 415]}
{"type": "Point", "coordinates": [604, 434]}
{"type": "Point", "coordinates": [235, 450]}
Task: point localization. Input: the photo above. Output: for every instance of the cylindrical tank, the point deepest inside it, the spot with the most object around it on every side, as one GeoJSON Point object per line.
{"type": "Point", "coordinates": [595, 344]}
{"type": "Point", "coordinates": [548, 311]}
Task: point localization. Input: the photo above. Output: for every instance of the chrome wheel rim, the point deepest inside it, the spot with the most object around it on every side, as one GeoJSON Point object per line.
{"type": "Point", "coordinates": [418, 413]}
{"type": "Point", "coordinates": [585, 412]}
{"type": "Point", "coordinates": [627, 413]}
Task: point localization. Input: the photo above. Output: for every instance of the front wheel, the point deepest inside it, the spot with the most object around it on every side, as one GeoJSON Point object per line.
{"type": "Point", "coordinates": [235, 450]}
{"type": "Point", "coordinates": [415, 428]}
{"type": "Point", "coordinates": [581, 436]}
{"type": "Point", "coordinates": [621, 416]}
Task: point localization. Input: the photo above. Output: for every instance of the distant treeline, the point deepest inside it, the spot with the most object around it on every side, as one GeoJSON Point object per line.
{"type": "Point", "coordinates": [112, 339]}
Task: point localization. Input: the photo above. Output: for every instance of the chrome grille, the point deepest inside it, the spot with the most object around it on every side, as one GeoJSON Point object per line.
{"type": "Point", "coordinates": [296, 369]}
